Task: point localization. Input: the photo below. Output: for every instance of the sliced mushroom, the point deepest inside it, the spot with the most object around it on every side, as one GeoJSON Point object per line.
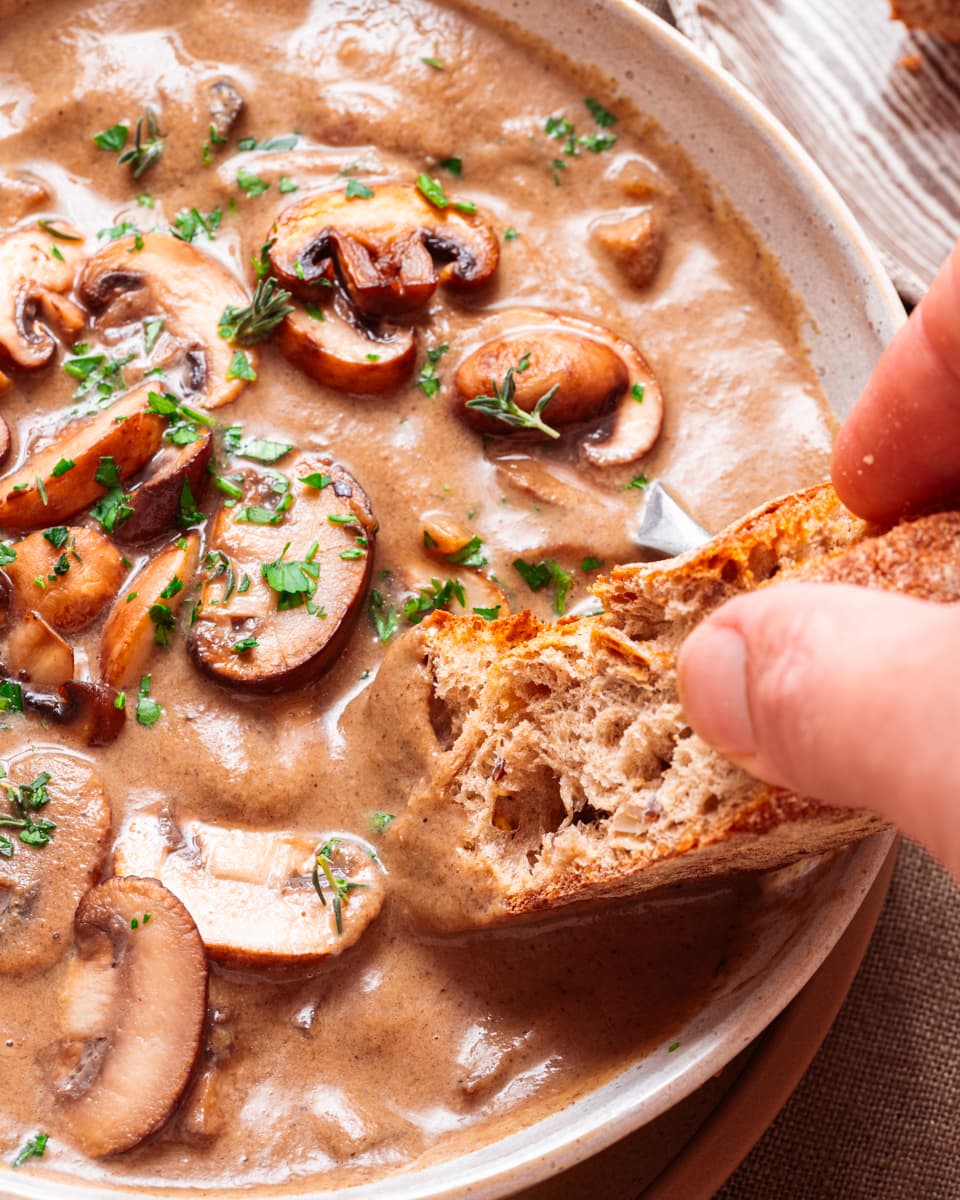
{"type": "Point", "coordinates": [134, 1009]}
{"type": "Point", "coordinates": [21, 193]}
{"type": "Point", "coordinates": [38, 653]}
{"type": "Point", "coordinates": [35, 495]}
{"type": "Point", "coordinates": [155, 502]}
{"type": "Point", "coordinates": [143, 617]}
{"type": "Point", "coordinates": [34, 283]}
{"type": "Point", "coordinates": [201, 1116]}
{"type": "Point", "coordinates": [90, 709]}
{"type": "Point", "coordinates": [346, 353]}
{"type": "Point", "coordinates": [4, 428]}
{"type": "Point", "coordinates": [167, 275]}
{"type": "Point", "coordinates": [40, 886]}
{"type": "Point", "coordinates": [634, 245]}
{"type": "Point", "coordinates": [251, 891]}
{"type": "Point", "coordinates": [385, 248]}
{"type": "Point", "coordinates": [68, 580]}
{"type": "Point", "coordinates": [225, 104]}
{"type": "Point", "coordinates": [251, 634]}
{"type": "Point", "coordinates": [587, 364]}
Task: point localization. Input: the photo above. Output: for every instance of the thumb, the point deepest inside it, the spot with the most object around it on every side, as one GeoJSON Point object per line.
{"type": "Point", "coordinates": [838, 693]}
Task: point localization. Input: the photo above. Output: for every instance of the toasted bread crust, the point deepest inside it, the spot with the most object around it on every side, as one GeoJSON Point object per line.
{"type": "Point", "coordinates": [569, 773]}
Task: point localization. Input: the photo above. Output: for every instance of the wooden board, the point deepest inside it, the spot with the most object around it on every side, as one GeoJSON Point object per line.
{"type": "Point", "coordinates": [838, 74]}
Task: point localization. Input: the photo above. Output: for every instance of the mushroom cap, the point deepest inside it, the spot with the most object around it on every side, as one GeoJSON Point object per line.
{"type": "Point", "coordinates": [135, 1004]}
{"type": "Point", "coordinates": [36, 652]}
{"type": "Point", "coordinates": [385, 248]}
{"type": "Point", "coordinates": [346, 354]}
{"type": "Point", "coordinates": [33, 284]}
{"type": "Point", "coordinates": [250, 890]}
{"type": "Point", "coordinates": [33, 497]}
{"type": "Point", "coordinates": [129, 635]}
{"type": "Point", "coordinates": [552, 339]}
{"type": "Point", "coordinates": [296, 644]}
{"type": "Point", "coordinates": [40, 886]}
{"type": "Point", "coordinates": [190, 289]}
{"type": "Point", "coordinates": [73, 600]}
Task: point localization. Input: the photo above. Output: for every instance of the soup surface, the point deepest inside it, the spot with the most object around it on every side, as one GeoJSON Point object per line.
{"type": "Point", "coordinates": [359, 1063]}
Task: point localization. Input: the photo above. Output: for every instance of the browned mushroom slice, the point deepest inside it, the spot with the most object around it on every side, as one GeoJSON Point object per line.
{"type": "Point", "coordinates": [38, 653]}
{"type": "Point", "coordinates": [385, 248]}
{"type": "Point", "coordinates": [251, 891]}
{"type": "Point", "coordinates": [22, 193]}
{"type": "Point", "coordinates": [287, 570]}
{"type": "Point", "coordinates": [634, 245]}
{"type": "Point", "coordinates": [40, 885]}
{"type": "Point", "coordinates": [34, 283]}
{"type": "Point", "coordinates": [36, 495]}
{"type": "Point", "coordinates": [155, 503]}
{"type": "Point", "coordinates": [581, 367]}
{"type": "Point", "coordinates": [144, 617]}
{"type": "Point", "coordinates": [134, 1006]}
{"type": "Point", "coordinates": [172, 277]}
{"type": "Point", "coordinates": [90, 709]}
{"type": "Point", "coordinates": [344, 353]}
{"type": "Point", "coordinates": [67, 574]}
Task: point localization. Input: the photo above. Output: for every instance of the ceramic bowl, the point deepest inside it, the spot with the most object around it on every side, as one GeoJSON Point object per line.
{"type": "Point", "coordinates": [854, 311]}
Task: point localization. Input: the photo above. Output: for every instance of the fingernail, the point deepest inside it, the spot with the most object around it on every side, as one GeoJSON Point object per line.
{"type": "Point", "coordinates": [712, 674]}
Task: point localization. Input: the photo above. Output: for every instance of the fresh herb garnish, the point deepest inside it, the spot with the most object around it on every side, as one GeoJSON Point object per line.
{"type": "Point", "coordinates": [34, 1147]}
{"type": "Point", "coordinates": [488, 614]}
{"type": "Point", "coordinates": [357, 190]}
{"type": "Point", "coordinates": [112, 508]}
{"type": "Point", "coordinates": [25, 800]}
{"type": "Point", "coordinates": [187, 513]}
{"type": "Point", "coordinates": [429, 381]}
{"type": "Point", "coordinates": [262, 450]}
{"type": "Point", "coordinates": [241, 368]}
{"type": "Point", "coordinates": [250, 183]}
{"type": "Point", "coordinates": [11, 696]}
{"type": "Point", "coordinates": [430, 61]}
{"type": "Point", "coordinates": [602, 116]}
{"type": "Point", "coordinates": [62, 467]}
{"type": "Point", "coordinates": [380, 822]}
{"type": "Point", "coordinates": [316, 479]}
{"type": "Point", "coordinates": [539, 575]}
{"type": "Point", "coordinates": [590, 564]}
{"type": "Point", "coordinates": [337, 882]}
{"type": "Point", "coordinates": [454, 165]}
{"type": "Point", "coordinates": [294, 582]}
{"type": "Point", "coordinates": [637, 392]}
{"type": "Point", "coordinates": [286, 185]}
{"type": "Point", "coordinates": [247, 326]}
{"type": "Point", "coordinates": [189, 223]}
{"type": "Point", "coordinates": [113, 139]}
{"type": "Point", "coordinates": [149, 711]}
{"type": "Point", "coordinates": [146, 150]}
{"type": "Point", "coordinates": [432, 190]}
{"type": "Point", "coordinates": [429, 598]}
{"type": "Point", "coordinates": [470, 555]}
{"type": "Point", "coordinates": [510, 233]}
{"type": "Point", "coordinates": [382, 615]}
{"type": "Point", "coordinates": [244, 645]}
{"type": "Point", "coordinates": [502, 407]}
{"type": "Point", "coordinates": [57, 536]}
{"type": "Point", "coordinates": [7, 554]}
{"type": "Point", "coordinates": [641, 482]}
{"type": "Point", "coordinates": [163, 622]}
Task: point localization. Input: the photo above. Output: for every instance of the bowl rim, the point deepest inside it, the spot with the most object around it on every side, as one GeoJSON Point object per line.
{"type": "Point", "coordinates": [514, 1166]}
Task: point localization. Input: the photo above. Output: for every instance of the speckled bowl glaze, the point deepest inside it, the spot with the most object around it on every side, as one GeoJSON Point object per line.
{"type": "Point", "coordinates": [854, 311]}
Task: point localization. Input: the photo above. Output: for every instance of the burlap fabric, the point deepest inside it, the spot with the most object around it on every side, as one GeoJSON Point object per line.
{"type": "Point", "coordinates": [877, 1116]}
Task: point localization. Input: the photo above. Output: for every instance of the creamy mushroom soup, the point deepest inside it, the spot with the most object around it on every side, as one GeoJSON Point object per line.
{"type": "Point", "coordinates": [316, 318]}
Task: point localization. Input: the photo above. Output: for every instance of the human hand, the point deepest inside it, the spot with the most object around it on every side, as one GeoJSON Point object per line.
{"type": "Point", "coordinates": [846, 695]}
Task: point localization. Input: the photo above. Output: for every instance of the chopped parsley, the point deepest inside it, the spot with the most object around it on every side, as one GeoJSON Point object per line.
{"type": "Point", "coordinates": [163, 622]}
{"type": "Point", "coordinates": [26, 799]}
{"type": "Point", "coordinates": [244, 645]}
{"type": "Point", "coordinates": [432, 190]}
{"type": "Point", "coordinates": [286, 185]}
{"type": "Point", "coordinates": [316, 479]}
{"type": "Point", "coordinates": [191, 222]}
{"type": "Point", "coordinates": [488, 614]}
{"type": "Point", "coordinates": [11, 696]}
{"type": "Point", "coordinates": [113, 139]}
{"type": "Point", "coordinates": [383, 616]}
{"type": "Point", "coordinates": [294, 582]}
{"type": "Point", "coordinates": [188, 514]}
{"type": "Point", "coordinates": [357, 190]}
{"type": "Point", "coordinates": [430, 61]}
{"type": "Point", "coordinates": [34, 1147]}
{"type": "Point", "coordinates": [641, 482]}
{"type": "Point", "coordinates": [590, 564]}
{"type": "Point", "coordinates": [380, 822]}
{"type": "Point", "coordinates": [149, 711]}
{"type": "Point", "coordinates": [57, 536]}
{"type": "Point", "coordinates": [637, 392]}
{"type": "Point", "coordinates": [602, 116]}
{"type": "Point", "coordinates": [263, 450]}
{"type": "Point", "coordinates": [539, 575]}
{"type": "Point", "coordinates": [250, 183]}
{"type": "Point", "coordinates": [7, 554]}
{"type": "Point", "coordinates": [428, 380]}
{"type": "Point", "coordinates": [454, 165]}
{"type": "Point", "coordinates": [510, 233]}
{"type": "Point", "coordinates": [470, 555]}
{"type": "Point", "coordinates": [152, 328]}
{"type": "Point", "coordinates": [241, 368]}
{"type": "Point", "coordinates": [62, 467]}
{"type": "Point", "coordinates": [431, 597]}
{"type": "Point", "coordinates": [112, 508]}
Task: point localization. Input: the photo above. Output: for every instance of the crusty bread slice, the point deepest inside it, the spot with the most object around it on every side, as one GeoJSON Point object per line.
{"type": "Point", "coordinates": [935, 16]}
{"type": "Point", "coordinates": [554, 764]}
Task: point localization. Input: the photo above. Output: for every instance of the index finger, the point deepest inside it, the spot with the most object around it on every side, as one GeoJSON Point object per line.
{"type": "Point", "coordinates": [900, 446]}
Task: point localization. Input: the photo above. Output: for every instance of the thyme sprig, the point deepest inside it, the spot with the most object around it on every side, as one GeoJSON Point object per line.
{"type": "Point", "coordinates": [247, 326]}
{"type": "Point", "coordinates": [502, 406]}
{"type": "Point", "coordinates": [145, 151]}
{"type": "Point", "coordinates": [339, 885]}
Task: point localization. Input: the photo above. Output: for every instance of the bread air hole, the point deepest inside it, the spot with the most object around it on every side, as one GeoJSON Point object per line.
{"type": "Point", "coordinates": [529, 814]}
